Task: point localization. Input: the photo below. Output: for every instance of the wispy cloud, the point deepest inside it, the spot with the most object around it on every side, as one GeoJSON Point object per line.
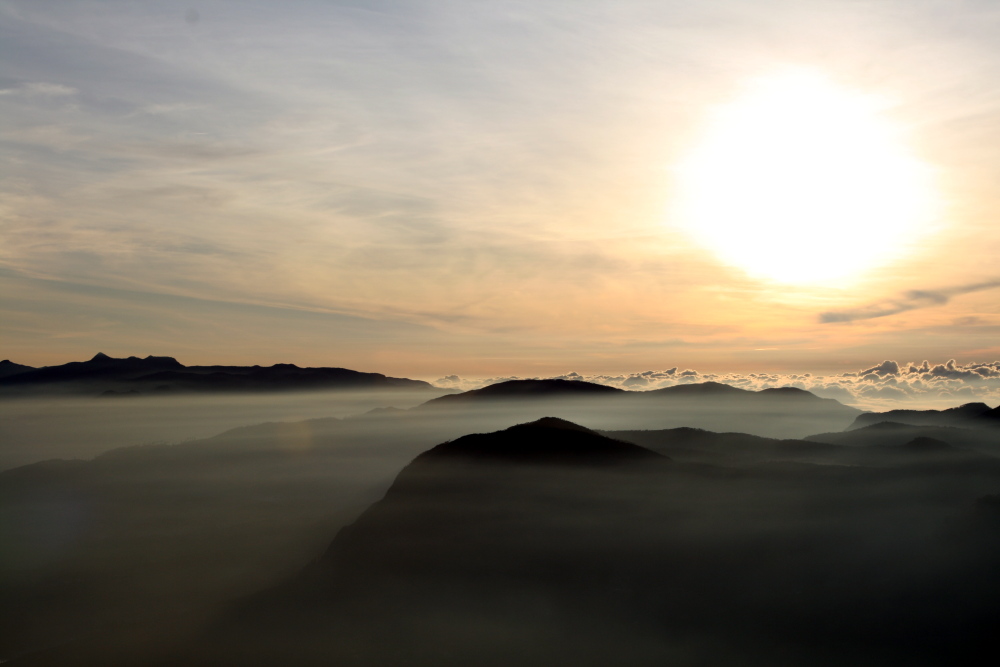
{"type": "Point", "coordinates": [40, 89]}
{"type": "Point", "coordinates": [911, 300]}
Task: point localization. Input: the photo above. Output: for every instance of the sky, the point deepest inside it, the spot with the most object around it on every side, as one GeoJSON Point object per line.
{"type": "Point", "coordinates": [497, 189]}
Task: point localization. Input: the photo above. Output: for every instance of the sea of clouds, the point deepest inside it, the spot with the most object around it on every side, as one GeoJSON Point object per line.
{"type": "Point", "coordinates": [887, 385]}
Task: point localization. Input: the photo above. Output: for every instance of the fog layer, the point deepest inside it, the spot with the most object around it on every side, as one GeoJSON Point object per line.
{"type": "Point", "coordinates": [732, 547]}
{"type": "Point", "coordinates": [71, 427]}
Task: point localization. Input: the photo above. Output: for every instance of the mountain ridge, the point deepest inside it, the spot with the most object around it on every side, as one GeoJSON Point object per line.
{"type": "Point", "coordinates": [968, 415]}
{"type": "Point", "coordinates": [131, 376]}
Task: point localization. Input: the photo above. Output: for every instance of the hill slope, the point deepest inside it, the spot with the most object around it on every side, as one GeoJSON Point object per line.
{"type": "Point", "coordinates": [481, 554]}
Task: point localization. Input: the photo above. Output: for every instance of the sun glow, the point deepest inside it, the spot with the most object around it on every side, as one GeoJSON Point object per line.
{"type": "Point", "coordinates": [802, 181]}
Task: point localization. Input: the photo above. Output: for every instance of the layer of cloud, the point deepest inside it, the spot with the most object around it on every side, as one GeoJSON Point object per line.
{"type": "Point", "coordinates": [889, 384]}
{"type": "Point", "coordinates": [911, 300]}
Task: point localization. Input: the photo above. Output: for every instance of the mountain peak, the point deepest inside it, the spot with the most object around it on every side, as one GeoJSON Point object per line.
{"type": "Point", "coordinates": [556, 422]}
{"type": "Point", "coordinates": [100, 356]}
{"type": "Point", "coordinates": [547, 440]}
{"type": "Point", "coordinates": [547, 386]}
{"type": "Point", "coordinates": [699, 389]}
{"type": "Point", "coordinates": [8, 368]}
{"type": "Point", "coordinates": [521, 390]}
{"type": "Point", "coordinates": [993, 414]}
{"type": "Point", "coordinates": [786, 391]}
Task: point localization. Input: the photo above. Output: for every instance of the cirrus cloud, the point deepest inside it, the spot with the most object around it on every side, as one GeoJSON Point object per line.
{"type": "Point", "coordinates": [911, 300]}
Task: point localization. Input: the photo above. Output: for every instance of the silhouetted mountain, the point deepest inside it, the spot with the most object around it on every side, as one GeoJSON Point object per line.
{"type": "Point", "coordinates": [739, 449]}
{"type": "Point", "coordinates": [100, 368]}
{"type": "Point", "coordinates": [701, 446]}
{"type": "Point", "coordinates": [478, 557]}
{"type": "Point", "coordinates": [526, 390]}
{"type": "Point", "coordinates": [706, 390]}
{"type": "Point", "coordinates": [885, 432]}
{"type": "Point", "coordinates": [547, 440]}
{"type": "Point", "coordinates": [8, 368]}
{"type": "Point", "coordinates": [700, 389]}
{"type": "Point", "coordinates": [545, 543]}
{"type": "Point", "coordinates": [783, 413]}
{"type": "Point", "coordinates": [116, 377]}
{"type": "Point", "coordinates": [893, 434]}
{"type": "Point", "coordinates": [993, 415]}
{"type": "Point", "coordinates": [970, 415]}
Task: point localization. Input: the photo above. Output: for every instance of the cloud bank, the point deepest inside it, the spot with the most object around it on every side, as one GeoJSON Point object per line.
{"type": "Point", "coordinates": [887, 385]}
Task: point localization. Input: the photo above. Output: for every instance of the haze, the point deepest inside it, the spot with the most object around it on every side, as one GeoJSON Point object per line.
{"type": "Point", "coordinates": [381, 333]}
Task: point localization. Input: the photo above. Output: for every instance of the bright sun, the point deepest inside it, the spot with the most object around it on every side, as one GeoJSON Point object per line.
{"type": "Point", "coordinates": [802, 181]}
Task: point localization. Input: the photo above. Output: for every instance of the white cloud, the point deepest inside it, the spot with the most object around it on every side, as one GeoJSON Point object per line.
{"type": "Point", "coordinates": [882, 387]}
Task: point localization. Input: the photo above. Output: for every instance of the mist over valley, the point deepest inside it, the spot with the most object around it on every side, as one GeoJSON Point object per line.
{"type": "Point", "coordinates": [695, 522]}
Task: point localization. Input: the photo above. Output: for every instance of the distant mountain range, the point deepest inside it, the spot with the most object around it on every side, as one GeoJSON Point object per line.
{"type": "Point", "coordinates": [515, 390]}
{"type": "Point", "coordinates": [782, 412]}
{"type": "Point", "coordinates": [785, 412]}
{"type": "Point", "coordinates": [970, 415]}
{"type": "Point", "coordinates": [132, 376]}
{"type": "Point", "coordinates": [883, 446]}
{"type": "Point", "coordinates": [528, 390]}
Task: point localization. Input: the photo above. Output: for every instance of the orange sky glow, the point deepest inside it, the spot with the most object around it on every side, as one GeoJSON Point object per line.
{"type": "Point", "coordinates": [427, 189]}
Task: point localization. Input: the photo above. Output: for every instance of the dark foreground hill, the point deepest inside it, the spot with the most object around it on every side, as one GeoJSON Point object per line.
{"type": "Point", "coordinates": [133, 376]}
{"type": "Point", "coordinates": [480, 554]}
{"type": "Point", "coordinates": [547, 441]}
